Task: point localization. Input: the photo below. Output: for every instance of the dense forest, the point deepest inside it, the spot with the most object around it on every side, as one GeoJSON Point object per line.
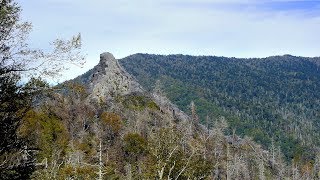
{"type": "Point", "coordinates": [270, 99]}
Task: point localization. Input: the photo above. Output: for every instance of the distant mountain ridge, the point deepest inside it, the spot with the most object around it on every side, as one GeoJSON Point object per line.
{"type": "Point", "coordinates": [277, 97]}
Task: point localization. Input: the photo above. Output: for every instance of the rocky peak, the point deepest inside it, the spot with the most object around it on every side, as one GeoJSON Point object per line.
{"type": "Point", "coordinates": [109, 79]}
{"type": "Point", "coordinates": [106, 59]}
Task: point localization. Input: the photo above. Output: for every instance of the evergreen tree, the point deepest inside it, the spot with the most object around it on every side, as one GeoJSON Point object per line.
{"type": "Point", "coordinates": [18, 60]}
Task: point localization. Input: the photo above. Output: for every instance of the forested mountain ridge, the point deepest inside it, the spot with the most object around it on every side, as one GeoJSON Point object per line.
{"type": "Point", "coordinates": [104, 125]}
{"type": "Point", "coordinates": [270, 99]}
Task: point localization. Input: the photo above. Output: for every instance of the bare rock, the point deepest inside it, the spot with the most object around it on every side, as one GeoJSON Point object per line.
{"type": "Point", "coordinates": [109, 80]}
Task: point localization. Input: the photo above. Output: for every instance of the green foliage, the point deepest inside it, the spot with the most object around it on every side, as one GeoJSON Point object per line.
{"type": "Point", "coordinates": [138, 102]}
{"type": "Point", "coordinates": [15, 101]}
{"type": "Point", "coordinates": [179, 150]}
{"type": "Point", "coordinates": [134, 146]}
{"type": "Point", "coordinates": [259, 135]}
{"type": "Point", "coordinates": [112, 120]}
{"type": "Point", "coordinates": [80, 172]}
{"type": "Point", "coordinates": [274, 97]}
{"type": "Point", "coordinates": [66, 172]}
{"type": "Point", "coordinates": [16, 97]}
{"type": "Point", "coordinates": [152, 105]}
{"type": "Point", "coordinates": [47, 132]}
{"type": "Point", "coordinates": [74, 89]}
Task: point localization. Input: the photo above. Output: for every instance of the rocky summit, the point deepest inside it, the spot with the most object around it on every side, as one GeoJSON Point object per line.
{"type": "Point", "coordinates": [108, 79]}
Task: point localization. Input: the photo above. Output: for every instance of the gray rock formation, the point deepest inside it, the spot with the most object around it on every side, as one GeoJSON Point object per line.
{"type": "Point", "coordinates": [168, 107]}
{"type": "Point", "coordinates": [109, 79]}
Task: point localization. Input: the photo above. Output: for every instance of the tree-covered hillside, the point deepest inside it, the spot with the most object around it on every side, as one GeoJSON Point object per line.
{"type": "Point", "coordinates": [270, 99]}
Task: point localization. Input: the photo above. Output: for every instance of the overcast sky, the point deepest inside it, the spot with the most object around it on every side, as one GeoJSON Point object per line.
{"type": "Point", "coordinates": [233, 28]}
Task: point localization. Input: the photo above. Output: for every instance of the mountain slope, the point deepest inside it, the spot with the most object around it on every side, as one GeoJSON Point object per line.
{"type": "Point", "coordinates": [108, 81]}
{"type": "Point", "coordinates": [269, 98]}
{"type": "Point", "coordinates": [103, 125]}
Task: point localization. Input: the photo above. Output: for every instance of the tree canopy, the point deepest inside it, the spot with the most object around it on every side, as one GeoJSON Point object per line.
{"type": "Point", "coordinates": [17, 60]}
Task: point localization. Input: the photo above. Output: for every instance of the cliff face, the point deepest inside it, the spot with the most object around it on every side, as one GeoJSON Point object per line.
{"type": "Point", "coordinates": [108, 79]}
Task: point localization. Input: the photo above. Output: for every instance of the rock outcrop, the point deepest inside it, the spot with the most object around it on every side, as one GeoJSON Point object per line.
{"type": "Point", "coordinates": [108, 79]}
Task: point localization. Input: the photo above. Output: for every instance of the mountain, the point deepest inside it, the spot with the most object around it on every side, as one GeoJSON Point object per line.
{"type": "Point", "coordinates": [108, 79]}
{"type": "Point", "coordinates": [105, 125]}
{"type": "Point", "coordinates": [270, 99]}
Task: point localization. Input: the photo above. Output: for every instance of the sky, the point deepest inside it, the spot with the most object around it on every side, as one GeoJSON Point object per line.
{"type": "Point", "coordinates": [232, 28]}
